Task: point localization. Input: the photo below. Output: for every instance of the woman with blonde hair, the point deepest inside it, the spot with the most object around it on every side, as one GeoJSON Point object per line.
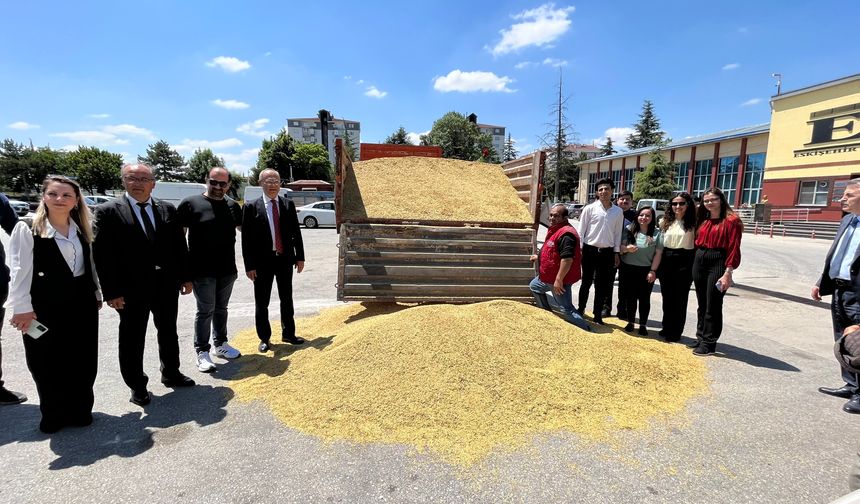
{"type": "Point", "coordinates": [54, 287]}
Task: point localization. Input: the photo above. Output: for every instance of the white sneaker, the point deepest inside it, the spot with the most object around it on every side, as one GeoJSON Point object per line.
{"type": "Point", "coordinates": [204, 363]}
{"type": "Point", "coordinates": [225, 351]}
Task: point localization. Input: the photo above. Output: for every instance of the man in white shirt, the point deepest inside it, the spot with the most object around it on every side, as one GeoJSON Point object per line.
{"type": "Point", "coordinates": [600, 227]}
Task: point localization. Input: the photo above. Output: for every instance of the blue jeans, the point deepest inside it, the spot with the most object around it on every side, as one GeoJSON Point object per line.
{"type": "Point", "coordinates": [213, 294]}
{"type": "Point", "coordinates": [564, 303]}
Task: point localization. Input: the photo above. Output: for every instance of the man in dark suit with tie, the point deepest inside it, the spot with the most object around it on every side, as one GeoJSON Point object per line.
{"type": "Point", "coordinates": [841, 280]}
{"type": "Point", "coordinates": [141, 258]}
{"type": "Point", "coordinates": [271, 247]}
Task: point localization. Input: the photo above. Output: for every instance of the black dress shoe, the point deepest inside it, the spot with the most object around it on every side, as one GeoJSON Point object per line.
{"type": "Point", "coordinates": [671, 339]}
{"type": "Point", "coordinates": [178, 380]}
{"type": "Point", "coordinates": [629, 327]}
{"type": "Point", "coordinates": [846, 391]}
{"type": "Point", "coordinates": [140, 397]}
{"type": "Point", "coordinates": [692, 344]}
{"type": "Point", "coordinates": [50, 426]}
{"type": "Point", "coordinates": [705, 349]}
{"type": "Point", "coordinates": [264, 347]}
{"type": "Point", "coordinates": [293, 340]}
{"type": "Point", "coordinates": [643, 331]}
{"type": "Point", "coordinates": [852, 406]}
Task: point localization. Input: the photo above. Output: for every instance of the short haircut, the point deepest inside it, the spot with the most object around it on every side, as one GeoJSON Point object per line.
{"type": "Point", "coordinates": [853, 182]}
{"type": "Point", "coordinates": [229, 175]}
{"type": "Point", "coordinates": [625, 193]}
{"type": "Point", "coordinates": [605, 181]}
{"type": "Point", "coordinates": [564, 212]}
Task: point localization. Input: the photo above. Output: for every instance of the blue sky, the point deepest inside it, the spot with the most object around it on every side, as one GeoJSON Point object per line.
{"type": "Point", "coordinates": [120, 75]}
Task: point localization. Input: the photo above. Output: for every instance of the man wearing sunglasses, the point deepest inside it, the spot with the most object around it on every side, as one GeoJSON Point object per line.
{"type": "Point", "coordinates": [210, 220]}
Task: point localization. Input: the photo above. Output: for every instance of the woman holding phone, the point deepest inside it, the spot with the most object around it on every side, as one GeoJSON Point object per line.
{"type": "Point", "coordinates": [54, 287]}
{"type": "Point", "coordinates": [718, 253]}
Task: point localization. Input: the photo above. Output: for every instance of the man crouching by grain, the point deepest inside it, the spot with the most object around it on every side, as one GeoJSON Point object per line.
{"type": "Point", "coordinates": [559, 266]}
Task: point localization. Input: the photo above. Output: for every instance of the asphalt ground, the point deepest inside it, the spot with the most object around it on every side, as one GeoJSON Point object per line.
{"type": "Point", "coordinates": [762, 434]}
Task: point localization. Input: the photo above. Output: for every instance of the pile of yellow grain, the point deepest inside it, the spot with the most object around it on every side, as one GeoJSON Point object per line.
{"type": "Point", "coordinates": [461, 381]}
{"type": "Point", "coordinates": [421, 188]}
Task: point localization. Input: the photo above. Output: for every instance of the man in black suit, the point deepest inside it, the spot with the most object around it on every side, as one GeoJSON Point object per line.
{"type": "Point", "coordinates": [141, 258]}
{"type": "Point", "coordinates": [841, 280]}
{"type": "Point", "coordinates": [271, 247]}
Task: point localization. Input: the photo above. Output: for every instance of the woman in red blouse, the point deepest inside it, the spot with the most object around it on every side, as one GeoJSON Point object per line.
{"type": "Point", "coordinates": [718, 253]}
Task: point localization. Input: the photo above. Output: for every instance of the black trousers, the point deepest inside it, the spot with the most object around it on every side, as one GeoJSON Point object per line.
{"type": "Point", "coordinates": [708, 266]}
{"type": "Point", "coordinates": [64, 360]}
{"type": "Point", "coordinates": [676, 275]}
{"type": "Point", "coordinates": [607, 303]}
{"type": "Point", "coordinates": [598, 266]}
{"type": "Point", "coordinates": [635, 288]}
{"type": "Point", "coordinates": [274, 269]}
{"type": "Point", "coordinates": [161, 298]}
{"type": "Point", "coordinates": [845, 310]}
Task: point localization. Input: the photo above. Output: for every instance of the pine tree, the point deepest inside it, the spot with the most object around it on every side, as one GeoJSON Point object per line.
{"type": "Point", "coordinates": [349, 146]}
{"type": "Point", "coordinates": [657, 180]}
{"type": "Point", "coordinates": [510, 151]}
{"type": "Point", "coordinates": [399, 137]}
{"type": "Point", "coordinates": [201, 163]}
{"type": "Point", "coordinates": [166, 163]}
{"type": "Point", "coordinates": [562, 172]}
{"type": "Point", "coordinates": [647, 131]}
{"type": "Point", "coordinates": [607, 149]}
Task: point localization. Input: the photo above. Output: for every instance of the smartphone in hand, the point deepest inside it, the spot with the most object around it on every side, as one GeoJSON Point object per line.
{"type": "Point", "coordinates": [36, 329]}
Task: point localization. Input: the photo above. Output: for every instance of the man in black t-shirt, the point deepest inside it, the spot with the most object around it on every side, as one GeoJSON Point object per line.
{"type": "Point", "coordinates": [211, 220]}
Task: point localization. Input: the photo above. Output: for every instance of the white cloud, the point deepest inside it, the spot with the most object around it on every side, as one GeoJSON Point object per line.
{"type": "Point", "coordinates": [241, 162]}
{"type": "Point", "coordinates": [753, 101]}
{"type": "Point", "coordinates": [91, 137]}
{"type": "Point", "coordinates": [555, 62]}
{"type": "Point", "coordinates": [255, 128]}
{"type": "Point", "coordinates": [347, 77]}
{"type": "Point", "coordinates": [359, 82]}
{"type": "Point", "coordinates": [230, 104]}
{"type": "Point", "coordinates": [415, 138]}
{"type": "Point", "coordinates": [129, 130]}
{"type": "Point", "coordinates": [732, 66]}
{"type": "Point", "coordinates": [538, 27]}
{"type": "Point", "coordinates": [524, 64]}
{"type": "Point", "coordinates": [189, 146]}
{"type": "Point", "coordinates": [375, 93]}
{"type": "Point", "coordinates": [99, 116]}
{"type": "Point", "coordinates": [21, 125]}
{"type": "Point", "coordinates": [467, 82]}
{"type": "Point", "coordinates": [618, 136]}
{"type": "Point", "coordinates": [229, 64]}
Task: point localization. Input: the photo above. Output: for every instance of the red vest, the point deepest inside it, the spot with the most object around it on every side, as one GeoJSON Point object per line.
{"type": "Point", "coordinates": [550, 261]}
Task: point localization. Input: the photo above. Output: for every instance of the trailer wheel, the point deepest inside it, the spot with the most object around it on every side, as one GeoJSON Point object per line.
{"type": "Point", "coordinates": [310, 222]}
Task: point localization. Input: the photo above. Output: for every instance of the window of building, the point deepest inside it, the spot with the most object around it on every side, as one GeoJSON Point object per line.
{"type": "Point", "coordinates": [753, 174]}
{"type": "Point", "coordinates": [616, 179]}
{"type": "Point", "coordinates": [592, 189]}
{"type": "Point", "coordinates": [727, 177]}
{"type": "Point", "coordinates": [682, 177]}
{"type": "Point", "coordinates": [813, 192]}
{"type": "Point", "coordinates": [701, 177]}
{"type": "Point", "coordinates": [629, 177]}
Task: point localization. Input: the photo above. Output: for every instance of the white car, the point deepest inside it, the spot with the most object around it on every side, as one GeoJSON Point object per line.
{"type": "Point", "coordinates": [320, 213]}
{"type": "Point", "coordinates": [92, 201]}
{"type": "Point", "coordinates": [21, 208]}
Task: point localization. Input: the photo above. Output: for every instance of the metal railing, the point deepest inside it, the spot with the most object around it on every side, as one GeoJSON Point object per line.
{"type": "Point", "coordinates": [790, 215]}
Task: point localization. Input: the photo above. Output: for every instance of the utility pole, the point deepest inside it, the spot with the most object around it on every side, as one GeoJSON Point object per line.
{"type": "Point", "coordinates": [559, 148]}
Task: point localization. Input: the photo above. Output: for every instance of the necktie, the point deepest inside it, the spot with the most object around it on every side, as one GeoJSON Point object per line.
{"type": "Point", "coordinates": [839, 256]}
{"type": "Point", "coordinates": [147, 222]}
{"type": "Point", "coordinates": [276, 223]}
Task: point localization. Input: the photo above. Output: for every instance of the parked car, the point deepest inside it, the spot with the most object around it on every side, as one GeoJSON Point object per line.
{"type": "Point", "coordinates": [574, 210]}
{"type": "Point", "coordinates": [659, 205]}
{"type": "Point", "coordinates": [317, 214]}
{"type": "Point", "coordinates": [21, 208]}
{"type": "Point", "coordinates": [92, 201]}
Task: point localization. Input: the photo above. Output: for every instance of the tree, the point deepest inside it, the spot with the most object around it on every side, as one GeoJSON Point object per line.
{"type": "Point", "coordinates": [460, 139]}
{"type": "Point", "coordinates": [647, 131]}
{"type": "Point", "coordinates": [349, 147]}
{"type": "Point", "coordinates": [166, 163]}
{"type": "Point", "coordinates": [657, 180]}
{"type": "Point", "coordinates": [310, 162]}
{"type": "Point", "coordinates": [607, 149]}
{"type": "Point", "coordinates": [201, 162]}
{"type": "Point", "coordinates": [237, 181]}
{"type": "Point", "coordinates": [510, 150]}
{"type": "Point", "coordinates": [96, 170]}
{"type": "Point", "coordinates": [24, 168]}
{"type": "Point", "coordinates": [562, 172]}
{"type": "Point", "coordinates": [276, 153]}
{"type": "Point", "coordinates": [399, 137]}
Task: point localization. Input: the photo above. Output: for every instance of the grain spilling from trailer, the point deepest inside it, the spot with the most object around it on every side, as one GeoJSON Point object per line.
{"type": "Point", "coordinates": [462, 382]}
{"type": "Point", "coordinates": [419, 229]}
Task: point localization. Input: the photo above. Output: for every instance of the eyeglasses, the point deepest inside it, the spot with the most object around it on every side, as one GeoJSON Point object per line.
{"type": "Point", "coordinates": [270, 182]}
{"type": "Point", "coordinates": [712, 200]}
{"type": "Point", "coordinates": [218, 183]}
{"type": "Point", "coordinates": [138, 180]}
{"type": "Point", "coordinates": [679, 203]}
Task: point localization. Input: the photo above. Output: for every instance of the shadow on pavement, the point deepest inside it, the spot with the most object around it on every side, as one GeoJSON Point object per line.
{"type": "Point", "coordinates": [274, 363]}
{"type": "Point", "coordinates": [746, 356]}
{"type": "Point", "coordinates": [127, 435]}
{"type": "Point", "coordinates": [782, 295]}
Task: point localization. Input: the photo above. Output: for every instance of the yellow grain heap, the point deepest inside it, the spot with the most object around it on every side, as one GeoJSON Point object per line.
{"type": "Point", "coordinates": [420, 188]}
{"type": "Point", "coordinates": [463, 380]}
